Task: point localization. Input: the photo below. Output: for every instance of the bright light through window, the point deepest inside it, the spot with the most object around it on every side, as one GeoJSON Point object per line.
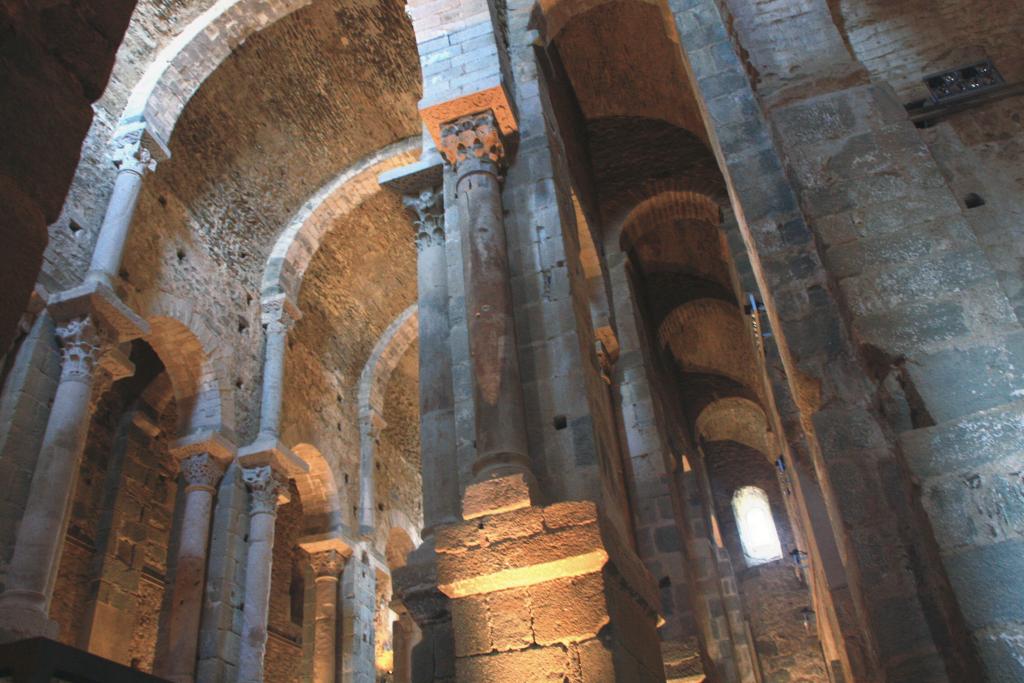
{"type": "Point", "coordinates": [757, 528]}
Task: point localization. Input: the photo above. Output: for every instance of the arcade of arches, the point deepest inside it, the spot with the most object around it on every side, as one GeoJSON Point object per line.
{"type": "Point", "coordinates": [498, 341]}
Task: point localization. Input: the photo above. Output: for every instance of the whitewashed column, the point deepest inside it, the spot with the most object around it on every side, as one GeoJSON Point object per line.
{"type": "Point", "coordinates": [25, 602]}
{"type": "Point", "coordinates": [266, 489]}
{"type": "Point", "coordinates": [327, 566]}
{"type": "Point", "coordinates": [201, 472]}
{"type": "Point", "coordinates": [278, 316]}
{"type": "Point", "coordinates": [135, 154]}
{"type": "Point", "coordinates": [440, 475]}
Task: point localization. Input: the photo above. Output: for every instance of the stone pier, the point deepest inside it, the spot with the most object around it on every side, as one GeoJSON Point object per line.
{"type": "Point", "coordinates": [266, 489]}
{"type": "Point", "coordinates": [534, 591]}
{"type": "Point", "coordinates": [328, 555]}
{"type": "Point", "coordinates": [91, 320]}
{"type": "Point", "coordinates": [548, 592]}
{"type": "Point", "coordinates": [202, 471]}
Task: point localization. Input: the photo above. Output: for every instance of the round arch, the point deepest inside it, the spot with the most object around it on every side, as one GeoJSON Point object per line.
{"type": "Point", "coordinates": [301, 238]}
{"type": "Point", "coordinates": [182, 66]}
{"type": "Point", "coordinates": [737, 419]}
{"type": "Point", "coordinates": [318, 490]}
{"type": "Point", "coordinates": [373, 381]}
{"type": "Point", "coordinates": [194, 359]}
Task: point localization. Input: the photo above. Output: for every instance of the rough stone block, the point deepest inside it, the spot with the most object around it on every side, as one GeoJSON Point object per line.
{"type": "Point", "coordinates": [510, 619]}
{"type": "Point", "coordinates": [984, 375]}
{"type": "Point", "coordinates": [987, 580]}
{"type": "Point", "coordinates": [970, 442]}
{"type": "Point", "coordinates": [568, 610]}
{"type": "Point", "coordinates": [495, 496]}
{"type": "Point", "coordinates": [535, 664]}
{"type": "Point", "coordinates": [473, 636]}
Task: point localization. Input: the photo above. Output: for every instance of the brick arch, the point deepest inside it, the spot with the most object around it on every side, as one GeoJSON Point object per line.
{"type": "Point", "coordinates": [321, 504]}
{"type": "Point", "coordinates": [550, 17]}
{"type": "Point", "coordinates": [181, 67]}
{"type": "Point", "coordinates": [373, 381]}
{"type": "Point", "coordinates": [664, 198]}
{"type": "Point", "coordinates": [194, 357]}
{"type": "Point", "coordinates": [737, 419]}
{"type": "Point", "coordinates": [710, 336]}
{"type": "Point", "coordinates": [301, 238]}
{"type": "Point", "coordinates": [398, 547]}
{"type": "Point", "coordinates": [397, 523]}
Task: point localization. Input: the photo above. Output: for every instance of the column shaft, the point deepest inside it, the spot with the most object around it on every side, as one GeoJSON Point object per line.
{"type": "Point", "coordinates": [106, 258]}
{"type": "Point", "coordinates": [403, 639]}
{"type": "Point", "coordinates": [202, 472]}
{"type": "Point", "coordinates": [134, 161]}
{"type": "Point", "coordinates": [264, 486]}
{"type": "Point", "coordinates": [277, 321]}
{"type": "Point", "coordinates": [325, 629]}
{"type": "Point", "coordinates": [437, 414]}
{"type": "Point", "coordinates": [25, 603]}
{"type": "Point", "coordinates": [474, 148]}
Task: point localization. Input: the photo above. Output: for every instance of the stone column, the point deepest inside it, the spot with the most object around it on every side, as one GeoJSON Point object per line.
{"type": "Point", "coordinates": [473, 146]}
{"type": "Point", "coordinates": [437, 416]}
{"type": "Point", "coordinates": [202, 472]}
{"type": "Point", "coordinates": [327, 567]}
{"type": "Point", "coordinates": [404, 637]}
{"type": "Point", "coordinates": [133, 157]}
{"type": "Point", "coordinates": [266, 487]}
{"type": "Point", "coordinates": [277, 316]}
{"type": "Point", "coordinates": [25, 602]}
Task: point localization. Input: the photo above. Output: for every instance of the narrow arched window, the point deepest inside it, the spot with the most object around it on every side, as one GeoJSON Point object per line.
{"type": "Point", "coordinates": [754, 520]}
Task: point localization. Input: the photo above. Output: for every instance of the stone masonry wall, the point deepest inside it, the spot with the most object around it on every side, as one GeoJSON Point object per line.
{"type": "Point", "coordinates": [115, 568]}
{"type": "Point", "coordinates": [910, 285]}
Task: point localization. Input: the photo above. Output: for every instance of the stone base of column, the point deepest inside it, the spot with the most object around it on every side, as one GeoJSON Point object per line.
{"type": "Point", "coordinates": [21, 621]}
{"type": "Point", "coordinates": [548, 592]}
{"type": "Point", "coordinates": [415, 586]}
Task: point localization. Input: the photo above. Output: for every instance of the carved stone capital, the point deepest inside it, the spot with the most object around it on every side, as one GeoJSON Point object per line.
{"type": "Point", "coordinates": [202, 471]}
{"type": "Point", "coordinates": [136, 149]}
{"type": "Point", "coordinates": [472, 140]}
{"type": "Point", "coordinates": [428, 210]}
{"type": "Point", "coordinates": [278, 314]}
{"type": "Point", "coordinates": [131, 155]}
{"type": "Point", "coordinates": [266, 487]}
{"type": "Point", "coordinates": [327, 563]}
{"type": "Point", "coordinates": [82, 346]}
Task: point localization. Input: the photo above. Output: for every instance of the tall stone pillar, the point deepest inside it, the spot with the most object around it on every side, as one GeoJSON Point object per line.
{"type": "Point", "coordinates": [202, 472]}
{"type": "Point", "coordinates": [532, 592]}
{"type": "Point", "coordinates": [327, 559]}
{"type": "Point", "coordinates": [90, 321]}
{"type": "Point", "coordinates": [437, 416]}
{"type": "Point", "coordinates": [266, 489]}
{"type": "Point", "coordinates": [136, 153]}
{"type": "Point", "coordinates": [278, 317]}
{"type": "Point", "coordinates": [404, 637]}
{"type": "Point", "coordinates": [474, 148]}
{"type": "Point", "coordinates": [430, 658]}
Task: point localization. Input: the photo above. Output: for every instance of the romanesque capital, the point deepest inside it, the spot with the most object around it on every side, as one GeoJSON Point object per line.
{"type": "Point", "coordinates": [277, 313]}
{"type": "Point", "coordinates": [132, 155]}
{"type": "Point", "coordinates": [428, 208]}
{"type": "Point", "coordinates": [82, 345]}
{"type": "Point", "coordinates": [327, 563]}
{"type": "Point", "coordinates": [472, 140]}
{"type": "Point", "coordinates": [201, 471]}
{"type": "Point", "coordinates": [266, 486]}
